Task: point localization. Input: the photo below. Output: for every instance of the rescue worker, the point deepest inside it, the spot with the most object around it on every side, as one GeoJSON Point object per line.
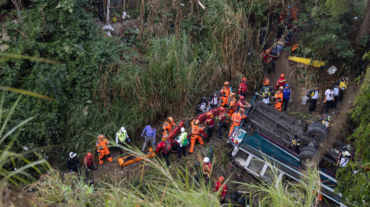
{"type": "Point", "coordinates": [182, 141]}
{"type": "Point", "coordinates": [214, 100]}
{"type": "Point", "coordinates": [286, 96]}
{"type": "Point", "coordinates": [347, 148]}
{"type": "Point", "coordinates": [121, 139]}
{"type": "Point", "coordinates": [280, 82]}
{"type": "Point", "coordinates": [268, 61]}
{"type": "Point", "coordinates": [343, 82]}
{"type": "Point", "coordinates": [313, 95]}
{"type": "Point", "coordinates": [102, 149]}
{"type": "Point", "coordinates": [344, 159]}
{"type": "Point", "coordinates": [225, 94]}
{"type": "Point", "coordinates": [202, 106]}
{"type": "Point", "coordinates": [278, 98]}
{"type": "Point", "coordinates": [237, 119]}
{"type": "Point", "coordinates": [329, 97]}
{"type": "Point", "coordinates": [165, 147]}
{"type": "Point", "coordinates": [232, 105]}
{"type": "Point", "coordinates": [89, 162]}
{"type": "Point", "coordinates": [210, 121]}
{"type": "Point", "coordinates": [207, 169]}
{"type": "Point", "coordinates": [195, 134]}
{"type": "Point", "coordinates": [243, 88]}
{"type": "Point", "coordinates": [296, 143]}
{"type": "Point", "coordinates": [336, 94]}
{"type": "Point", "coordinates": [266, 91]}
{"type": "Point", "coordinates": [167, 126]}
{"type": "Point", "coordinates": [150, 135]}
{"type": "Point", "coordinates": [73, 163]}
{"type": "Point", "coordinates": [327, 121]}
{"type": "Point", "coordinates": [220, 186]}
{"type": "Point", "coordinates": [242, 103]}
{"type": "Point", "coordinates": [222, 123]}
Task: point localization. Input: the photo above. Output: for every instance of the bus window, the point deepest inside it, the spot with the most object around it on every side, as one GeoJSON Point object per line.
{"type": "Point", "coordinates": [256, 166]}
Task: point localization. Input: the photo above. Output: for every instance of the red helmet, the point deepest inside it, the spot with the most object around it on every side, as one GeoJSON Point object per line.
{"type": "Point", "coordinates": [282, 76]}
{"type": "Point", "coordinates": [89, 154]}
{"type": "Point", "coordinates": [244, 79]}
{"type": "Point", "coordinates": [221, 179]}
{"type": "Point", "coordinates": [267, 51]}
{"type": "Point", "coordinates": [222, 109]}
{"type": "Point", "coordinates": [241, 97]}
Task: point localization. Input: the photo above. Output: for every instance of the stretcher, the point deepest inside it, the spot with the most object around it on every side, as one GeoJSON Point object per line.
{"type": "Point", "coordinates": [124, 161]}
{"type": "Point", "coordinates": [203, 117]}
{"type": "Point", "coordinates": [307, 61]}
{"type": "Point", "coordinates": [288, 38]}
{"type": "Point", "coordinates": [278, 48]}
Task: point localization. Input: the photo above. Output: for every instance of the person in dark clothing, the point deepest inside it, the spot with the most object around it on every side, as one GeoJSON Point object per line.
{"type": "Point", "coordinates": [286, 96]}
{"type": "Point", "coordinates": [211, 123]}
{"type": "Point", "coordinates": [295, 142]}
{"type": "Point", "coordinates": [72, 162]}
{"type": "Point", "coordinates": [214, 100]}
{"type": "Point", "coordinates": [202, 106]}
{"type": "Point", "coordinates": [222, 123]}
{"type": "Point", "coordinates": [262, 39]}
{"type": "Point", "coordinates": [313, 95]}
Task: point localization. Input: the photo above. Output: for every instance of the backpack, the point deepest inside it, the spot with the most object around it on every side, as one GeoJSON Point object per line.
{"type": "Point", "coordinates": [167, 147]}
{"type": "Point", "coordinates": [185, 141]}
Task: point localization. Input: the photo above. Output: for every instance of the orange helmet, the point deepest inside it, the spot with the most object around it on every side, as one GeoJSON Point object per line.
{"type": "Point", "coordinates": [267, 51]}
{"type": "Point", "coordinates": [89, 154]}
{"type": "Point", "coordinates": [282, 75]}
{"type": "Point", "coordinates": [226, 83]}
{"type": "Point", "coordinates": [221, 179]}
{"type": "Point", "coordinates": [170, 119]}
{"type": "Point", "coordinates": [266, 81]}
{"type": "Point", "coordinates": [241, 111]}
{"type": "Point", "coordinates": [197, 122]}
{"type": "Point", "coordinates": [244, 79]}
{"type": "Point", "coordinates": [165, 137]}
{"type": "Point", "coordinates": [232, 95]}
{"type": "Point", "coordinates": [241, 97]}
{"type": "Point", "coordinates": [222, 109]}
{"type": "Point", "coordinates": [101, 136]}
{"type": "Point", "coordinates": [281, 88]}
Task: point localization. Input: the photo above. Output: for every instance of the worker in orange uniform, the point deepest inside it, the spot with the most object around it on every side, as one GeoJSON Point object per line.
{"type": "Point", "coordinates": [167, 126]}
{"type": "Point", "coordinates": [237, 119]}
{"type": "Point", "coordinates": [211, 124]}
{"type": "Point", "coordinates": [243, 87]}
{"type": "Point", "coordinates": [278, 98]}
{"type": "Point", "coordinates": [102, 149]}
{"type": "Point", "coordinates": [220, 186]}
{"type": "Point", "coordinates": [232, 105]}
{"type": "Point", "coordinates": [242, 103]}
{"type": "Point", "coordinates": [195, 134]}
{"type": "Point", "coordinates": [225, 94]}
{"type": "Point", "coordinates": [280, 82]}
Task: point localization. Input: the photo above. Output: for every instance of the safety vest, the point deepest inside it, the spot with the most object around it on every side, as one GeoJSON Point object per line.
{"type": "Point", "coordinates": [122, 136]}
{"type": "Point", "coordinates": [237, 118]}
{"type": "Point", "coordinates": [195, 129]}
{"type": "Point", "coordinates": [343, 84]}
{"type": "Point", "coordinates": [225, 92]}
{"type": "Point", "coordinates": [89, 189]}
{"type": "Point", "coordinates": [102, 144]}
{"type": "Point", "coordinates": [233, 103]}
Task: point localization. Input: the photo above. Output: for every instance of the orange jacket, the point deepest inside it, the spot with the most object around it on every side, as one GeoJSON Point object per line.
{"type": "Point", "coordinates": [167, 126]}
{"type": "Point", "coordinates": [232, 104]}
{"type": "Point", "coordinates": [225, 91]}
{"type": "Point", "coordinates": [278, 98]}
{"type": "Point", "coordinates": [237, 118]}
{"type": "Point", "coordinates": [101, 144]}
{"type": "Point", "coordinates": [195, 129]}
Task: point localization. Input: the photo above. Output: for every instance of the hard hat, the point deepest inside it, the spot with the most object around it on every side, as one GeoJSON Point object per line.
{"type": "Point", "coordinates": [286, 85]}
{"type": "Point", "coordinates": [72, 155]}
{"type": "Point", "coordinates": [101, 136]}
{"type": "Point", "coordinates": [266, 81]}
{"type": "Point", "coordinates": [89, 154]}
{"type": "Point", "coordinates": [222, 109]}
{"type": "Point", "coordinates": [221, 179]}
{"type": "Point", "coordinates": [241, 111]}
{"type": "Point", "coordinates": [209, 114]}
{"type": "Point", "coordinates": [349, 147]}
{"type": "Point", "coordinates": [226, 84]}
{"type": "Point", "coordinates": [232, 95]}
{"type": "Point", "coordinates": [244, 79]}
{"type": "Point", "coordinates": [329, 118]}
{"type": "Point", "coordinates": [267, 51]}
{"type": "Point", "coordinates": [182, 129]}
{"type": "Point", "coordinates": [281, 87]}
{"type": "Point", "coordinates": [123, 129]}
{"type": "Point", "coordinates": [241, 97]}
{"type": "Point", "coordinates": [197, 121]}
{"type": "Point", "coordinates": [170, 119]}
{"type": "Point", "coordinates": [282, 75]}
{"type": "Point", "coordinates": [346, 154]}
{"type": "Point", "coordinates": [206, 160]}
{"type": "Point", "coordinates": [165, 137]}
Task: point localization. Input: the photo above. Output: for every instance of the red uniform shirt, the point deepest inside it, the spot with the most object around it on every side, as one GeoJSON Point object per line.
{"type": "Point", "coordinates": [281, 18]}
{"type": "Point", "coordinates": [240, 103]}
{"type": "Point", "coordinates": [242, 88]}
{"type": "Point", "coordinates": [265, 57]}
{"type": "Point", "coordinates": [89, 160]}
{"type": "Point", "coordinates": [280, 82]}
{"type": "Point", "coordinates": [222, 117]}
{"type": "Point", "coordinates": [223, 187]}
{"type": "Point", "coordinates": [160, 147]}
{"type": "Point", "coordinates": [210, 122]}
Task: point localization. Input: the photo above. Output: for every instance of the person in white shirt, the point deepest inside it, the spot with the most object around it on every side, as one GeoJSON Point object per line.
{"type": "Point", "coordinates": [344, 159]}
{"type": "Point", "coordinates": [336, 93]}
{"type": "Point", "coordinates": [214, 100]}
{"type": "Point", "coordinates": [121, 139]}
{"type": "Point", "coordinates": [329, 97]}
{"type": "Point", "coordinates": [181, 140]}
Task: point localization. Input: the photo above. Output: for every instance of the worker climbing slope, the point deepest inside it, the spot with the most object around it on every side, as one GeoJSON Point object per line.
{"type": "Point", "coordinates": [237, 119]}
{"type": "Point", "coordinates": [167, 126]}
{"type": "Point", "coordinates": [102, 149]}
{"type": "Point", "coordinates": [195, 134]}
{"type": "Point", "coordinates": [225, 94]}
{"type": "Point", "coordinates": [222, 188]}
{"type": "Point", "coordinates": [278, 98]}
{"type": "Point", "coordinates": [280, 82]}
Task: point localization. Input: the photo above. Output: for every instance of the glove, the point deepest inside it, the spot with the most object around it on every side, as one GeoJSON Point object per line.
{"type": "Point", "coordinates": [142, 135]}
{"type": "Point", "coordinates": [290, 100]}
{"type": "Point", "coordinates": [70, 170]}
{"type": "Point", "coordinates": [153, 142]}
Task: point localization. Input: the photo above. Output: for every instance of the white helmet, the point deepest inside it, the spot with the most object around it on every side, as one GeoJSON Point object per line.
{"type": "Point", "coordinates": [123, 129]}
{"type": "Point", "coordinates": [346, 154]}
{"type": "Point", "coordinates": [206, 160]}
{"type": "Point", "coordinates": [182, 129]}
{"type": "Point", "coordinates": [72, 155]}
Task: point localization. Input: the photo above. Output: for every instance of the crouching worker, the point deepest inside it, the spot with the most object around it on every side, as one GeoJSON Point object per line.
{"type": "Point", "coordinates": [89, 162]}
{"type": "Point", "coordinates": [102, 149]}
{"type": "Point", "coordinates": [164, 146]}
{"type": "Point", "coordinates": [221, 188]}
{"type": "Point", "coordinates": [73, 163]}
